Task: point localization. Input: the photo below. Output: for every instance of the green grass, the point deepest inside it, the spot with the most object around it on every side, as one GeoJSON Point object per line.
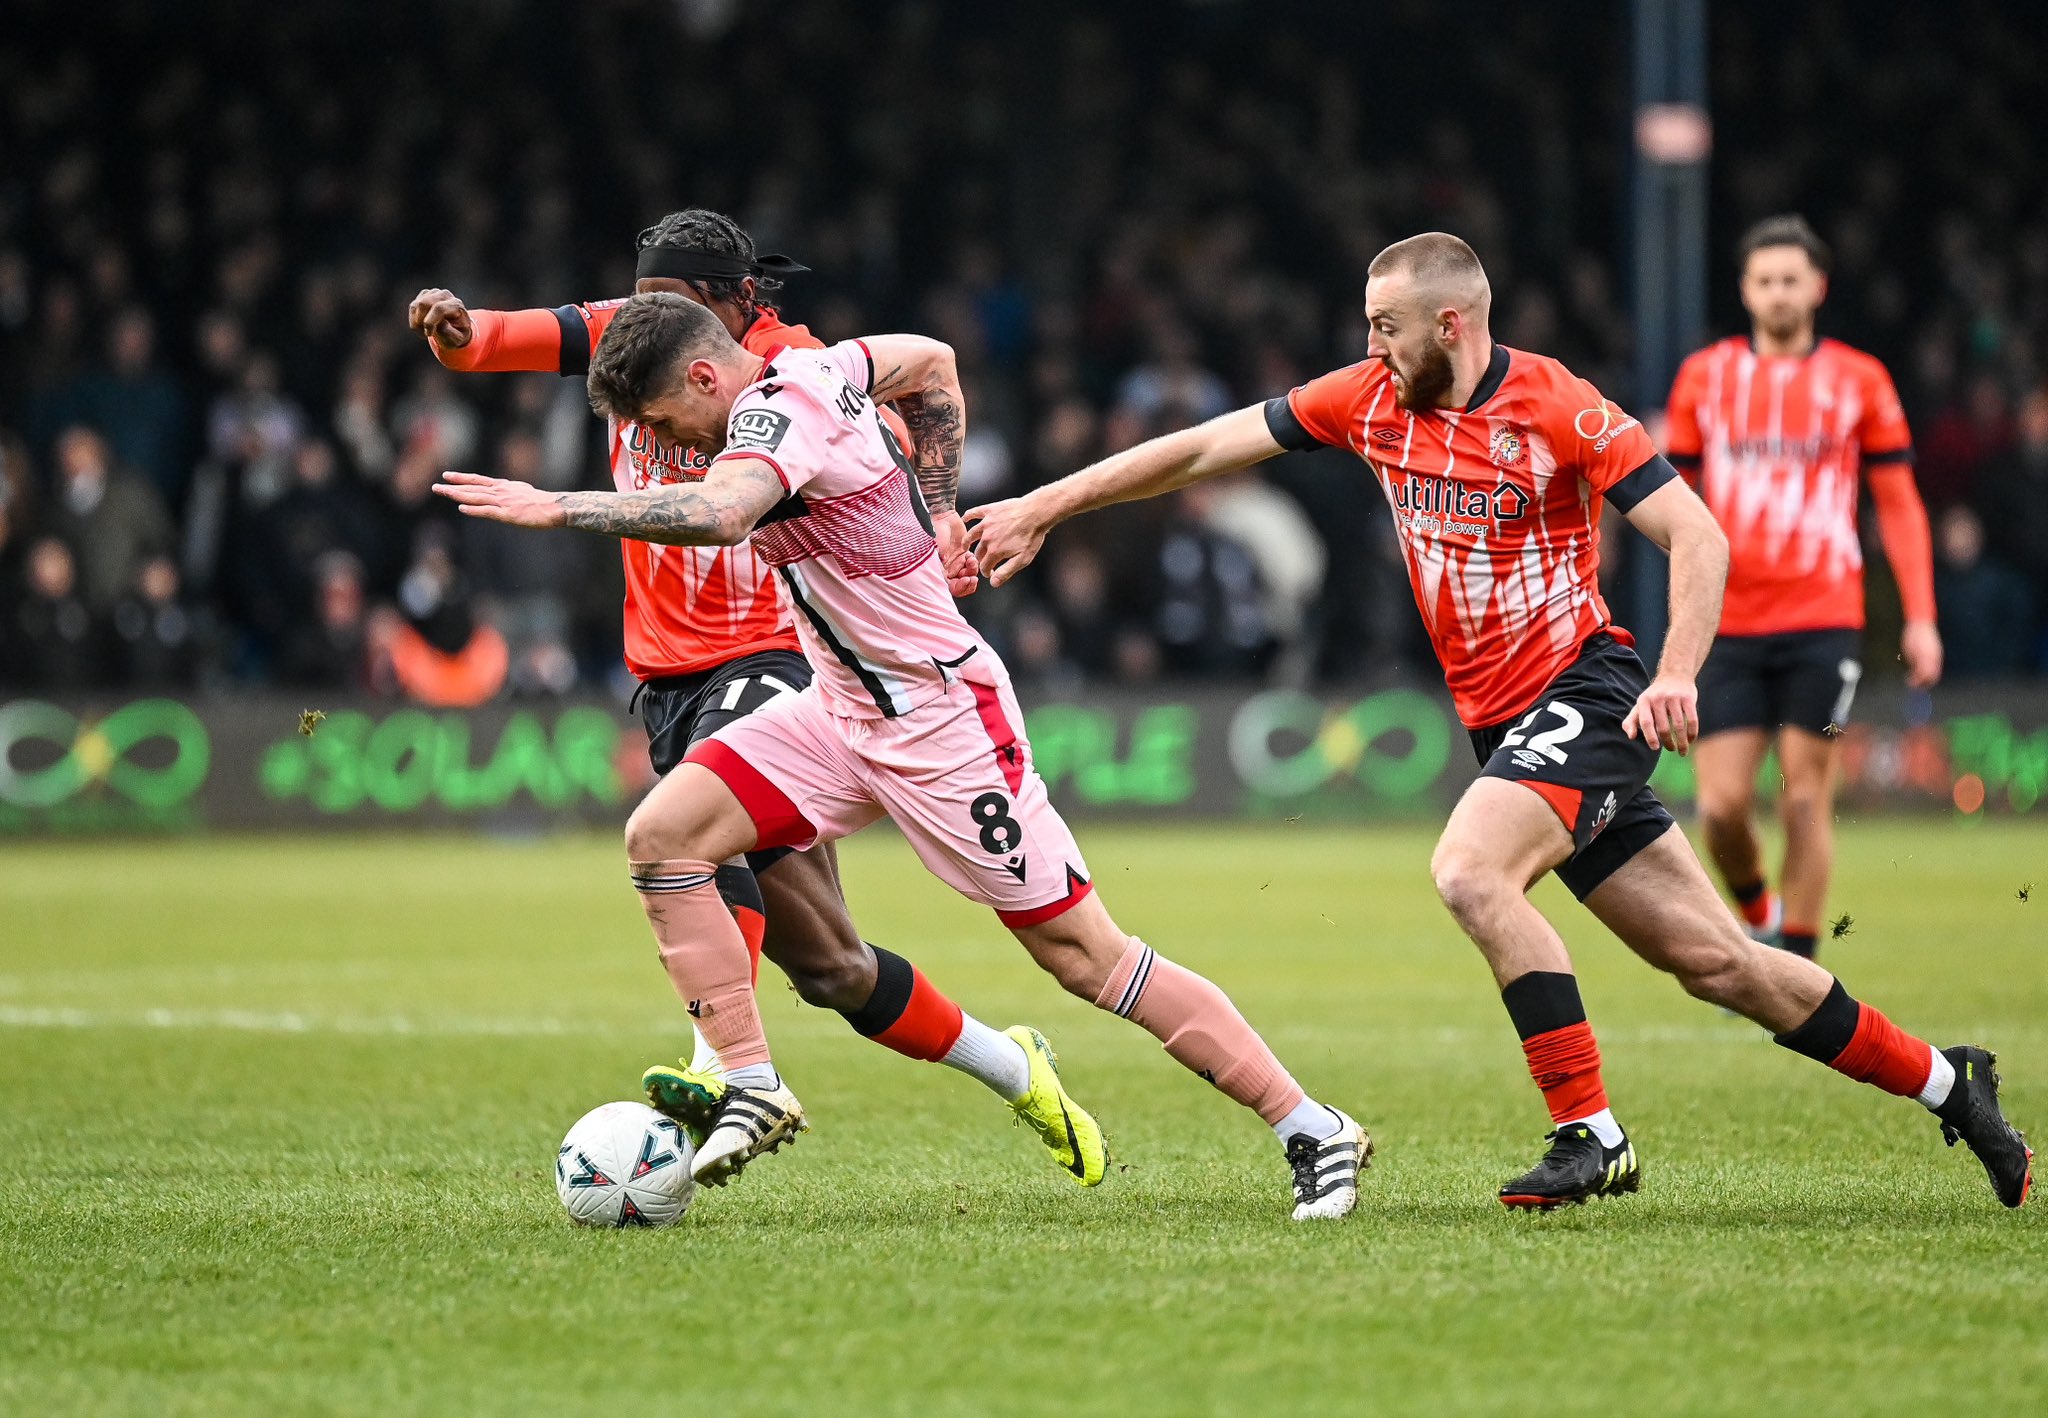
{"type": "Point", "coordinates": [277, 1120]}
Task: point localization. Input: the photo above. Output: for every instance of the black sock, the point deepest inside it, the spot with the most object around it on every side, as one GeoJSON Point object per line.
{"type": "Point", "coordinates": [1828, 1030]}
{"type": "Point", "coordinates": [1543, 1000]}
{"type": "Point", "coordinates": [1804, 943]}
{"type": "Point", "coordinates": [1745, 895]}
{"type": "Point", "coordinates": [894, 980]}
{"type": "Point", "coordinates": [738, 889]}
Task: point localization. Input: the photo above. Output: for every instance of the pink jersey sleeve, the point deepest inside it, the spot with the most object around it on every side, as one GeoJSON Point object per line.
{"type": "Point", "coordinates": [856, 361]}
{"type": "Point", "coordinates": [768, 428]}
{"type": "Point", "coordinates": [800, 418]}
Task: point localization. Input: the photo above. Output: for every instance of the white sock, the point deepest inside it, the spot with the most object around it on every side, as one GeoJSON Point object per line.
{"type": "Point", "coordinates": [1941, 1079]}
{"type": "Point", "coordinates": [996, 1059]}
{"type": "Point", "coordinates": [1311, 1118]}
{"type": "Point", "coordinates": [704, 1058]}
{"type": "Point", "coordinates": [756, 1078]}
{"type": "Point", "coordinates": [1603, 1125]}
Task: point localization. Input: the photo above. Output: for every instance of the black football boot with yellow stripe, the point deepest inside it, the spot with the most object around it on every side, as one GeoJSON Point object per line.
{"type": "Point", "coordinates": [1575, 1170]}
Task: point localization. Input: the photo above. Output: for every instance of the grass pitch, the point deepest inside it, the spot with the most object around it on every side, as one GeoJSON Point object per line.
{"type": "Point", "coordinates": [279, 1118]}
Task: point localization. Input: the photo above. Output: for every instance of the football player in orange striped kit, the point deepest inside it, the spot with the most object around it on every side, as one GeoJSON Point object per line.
{"type": "Point", "coordinates": [1496, 464]}
{"type": "Point", "coordinates": [711, 640]}
{"type": "Point", "coordinates": [1776, 430]}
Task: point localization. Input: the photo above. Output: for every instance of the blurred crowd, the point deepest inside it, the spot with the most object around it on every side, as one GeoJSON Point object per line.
{"type": "Point", "coordinates": [217, 437]}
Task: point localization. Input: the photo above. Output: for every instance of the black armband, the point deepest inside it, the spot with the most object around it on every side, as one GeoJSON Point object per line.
{"type": "Point", "coordinates": [1286, 426]}
{"type": "Point", "coordinates": [1624, 495]}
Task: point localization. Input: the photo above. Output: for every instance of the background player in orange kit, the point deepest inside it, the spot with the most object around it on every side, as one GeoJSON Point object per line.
{"type": "Point", "coordinates": [710, 639]}
{"type": "Point", "coordinates": [1495, 463]}
{"type": "Point", "coordinates": [1774, 429]}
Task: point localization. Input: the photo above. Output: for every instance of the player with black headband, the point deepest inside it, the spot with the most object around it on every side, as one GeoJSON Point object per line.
{"type": "Point", "coordinates": [710, 639]}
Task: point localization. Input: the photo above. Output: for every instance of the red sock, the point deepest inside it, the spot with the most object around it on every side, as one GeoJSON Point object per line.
{"type": "Point", "coordinates": [753, 926]}
{"type": "Point", "coordinates": [906, 1012]}
{"type": "Point", "coordinates": [1857, 1041]}
{"type": "Point", "coordinates": [1884, 1055]}
{"type": "Point", "coordinates": [1755, 904]}
{"type": "Point", "coordinates": [1566, 1065]}
{"type": "Point", "coordinates": [1563, 1057]}
{"type": "Point", "coordinates": [741, 893]}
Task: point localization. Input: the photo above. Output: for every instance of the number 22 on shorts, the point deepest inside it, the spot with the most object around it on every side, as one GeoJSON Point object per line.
{"type": "Point", "coordinates": [1547, 743]}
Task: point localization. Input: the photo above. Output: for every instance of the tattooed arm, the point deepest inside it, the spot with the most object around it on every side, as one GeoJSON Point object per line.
{"type": "Point", "coordinates": [919, 377]}
{"type": "Point", "coordinates": [718, 511]}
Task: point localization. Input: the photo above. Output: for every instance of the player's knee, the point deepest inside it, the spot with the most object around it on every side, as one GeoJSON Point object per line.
{"type": "Point", "coordinates": [1802, 807]}
{"type": "Point", "coordinates": [1466, 881]}
{"type": "Point", "coordinates": [1724, 815]}
{"type": "Point", "coordinates": [655, 836]}
{"type": "Point", "coordinates": [832, 984]}
{"type": "Point", "coordinates": [1714, 970]}
{"type": "Point", "coordinates": [1080, 960]}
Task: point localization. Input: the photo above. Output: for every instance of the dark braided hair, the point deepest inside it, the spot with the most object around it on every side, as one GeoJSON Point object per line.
{"type": "Point", "coordinates": [705, 230]}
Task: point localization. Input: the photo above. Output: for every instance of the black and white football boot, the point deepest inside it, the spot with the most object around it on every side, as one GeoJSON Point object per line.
{"type": "Point", "coordinates": [1326, 1172]}
{"type": "Point", "coordinates": [749, 1122]}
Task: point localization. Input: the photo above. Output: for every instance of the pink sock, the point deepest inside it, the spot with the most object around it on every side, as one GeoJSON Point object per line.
{"type": "Point", "coordinates": [1201, 1028]}
{"type": "Point", "coordinates": [705, 955]}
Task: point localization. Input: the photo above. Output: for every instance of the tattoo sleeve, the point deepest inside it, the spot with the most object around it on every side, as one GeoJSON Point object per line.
{"type": "Point", "coordinates": [937, 432]}
{"type": "Point", "coordinates": [719, 511]}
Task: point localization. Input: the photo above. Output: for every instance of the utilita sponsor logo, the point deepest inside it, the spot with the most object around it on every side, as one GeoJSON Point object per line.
{"type": "Point", "coordinates": [1447, 498]}
{"type": "Point", "coordinates": [655, 462]}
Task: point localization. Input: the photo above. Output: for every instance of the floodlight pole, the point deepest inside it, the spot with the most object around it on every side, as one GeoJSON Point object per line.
{"type": "Point", "coordinates": [1668, 228]}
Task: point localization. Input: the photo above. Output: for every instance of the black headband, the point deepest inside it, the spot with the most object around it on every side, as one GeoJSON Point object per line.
{"type": "Point", "coordinates": [690, 263]}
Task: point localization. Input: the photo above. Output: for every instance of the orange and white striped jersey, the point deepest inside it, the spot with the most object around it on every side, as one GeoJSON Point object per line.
{"type": "Point", "coordinates": [1778, 446]}
{"type": "Point", "coordinates": [687, 608]}
{"type": "Point", "coordinates": [1497, 506]}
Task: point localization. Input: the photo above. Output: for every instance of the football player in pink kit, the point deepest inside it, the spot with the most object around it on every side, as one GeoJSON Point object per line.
{"type": "Point", "coordinates": [911, 715]}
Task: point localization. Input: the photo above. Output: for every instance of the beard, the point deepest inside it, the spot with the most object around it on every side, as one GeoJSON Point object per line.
{"type": "Point", "coordinates": [1429, 381]}
{"type": "Point", "coordinates": [1785, 327]}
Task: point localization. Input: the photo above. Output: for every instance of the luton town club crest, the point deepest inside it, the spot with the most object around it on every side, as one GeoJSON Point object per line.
{"type": "Point", "coordinates": [1506, 447]}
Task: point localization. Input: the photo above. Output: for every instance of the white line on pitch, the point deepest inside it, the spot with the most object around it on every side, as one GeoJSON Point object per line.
{"type": "Point", "coordinates": [292, 1022]}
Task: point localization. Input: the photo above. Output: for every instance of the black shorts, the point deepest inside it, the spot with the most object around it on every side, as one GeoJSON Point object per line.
{"type": "Point", "coordinates": [1802, 679]}
{"type": "Point", "coordinates": [1570, 749]}
{"type": "Point", "coordinates": [681, 710]}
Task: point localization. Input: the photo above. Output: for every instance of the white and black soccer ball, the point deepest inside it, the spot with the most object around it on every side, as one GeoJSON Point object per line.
{"type": "Point", "coordinates": [625, 1165]}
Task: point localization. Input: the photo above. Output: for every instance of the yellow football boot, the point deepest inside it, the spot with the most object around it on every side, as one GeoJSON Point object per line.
{"type": "Point", "coordinates": [1065, 1127]}
{"type": "Point", "coordinates": [688, 1095]}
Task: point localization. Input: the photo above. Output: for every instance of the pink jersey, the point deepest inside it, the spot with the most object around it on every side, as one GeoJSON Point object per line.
{"type": "Point", "coordinates": [852, 542]}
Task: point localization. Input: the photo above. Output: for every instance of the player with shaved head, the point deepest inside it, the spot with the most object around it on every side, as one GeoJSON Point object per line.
{"type": "Point", "coordinates": [1496, 463]}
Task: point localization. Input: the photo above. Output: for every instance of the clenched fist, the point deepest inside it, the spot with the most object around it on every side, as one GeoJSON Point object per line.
{"type": "Point", "coordinates": [441, 316]}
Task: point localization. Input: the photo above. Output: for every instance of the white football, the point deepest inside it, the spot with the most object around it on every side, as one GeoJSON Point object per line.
{"type": "Point", "coordinates": [625, 1165]}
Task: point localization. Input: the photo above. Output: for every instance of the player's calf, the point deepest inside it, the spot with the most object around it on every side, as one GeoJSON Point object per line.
{"type": "Point", "coordinates": [1202, 1030]}
{"type": "Point", "coordinates": [1958, 1085]}
{"type": "Point", "coordinates": [1589, 1154]}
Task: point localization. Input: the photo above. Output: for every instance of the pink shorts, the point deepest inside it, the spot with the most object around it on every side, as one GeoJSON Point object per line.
{"type": "Point", "coordinates": [954, 774]}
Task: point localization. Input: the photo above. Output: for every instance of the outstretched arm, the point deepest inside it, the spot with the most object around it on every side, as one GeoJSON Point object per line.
{"type": "Point", "coordinates": [1675, 519]}
{"type": "Point", "coordinates": [1007, 535]}
{"type": "Point", "coordinates": [557, 341]}
{"type": "Point", "coordinates": [719, 511]}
